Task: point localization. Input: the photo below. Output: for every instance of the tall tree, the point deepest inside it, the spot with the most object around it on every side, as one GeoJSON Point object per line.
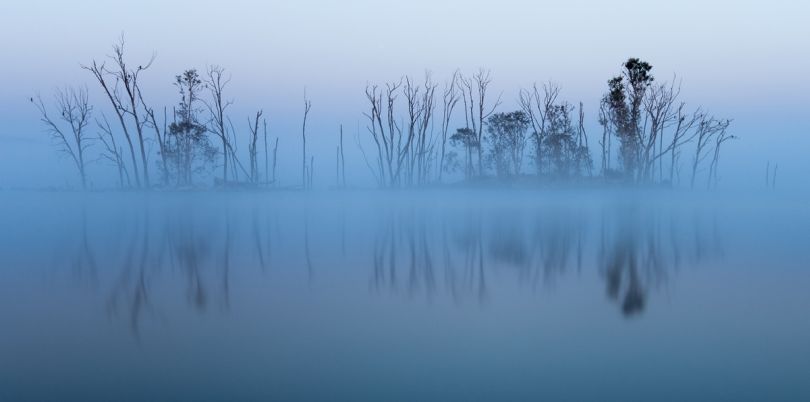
{"type": "Point", "coordinates": [474, 94]}
{"type": "Point", "coordinates": [624, 99]}
{"type": "Point", "coordinates": [187, 143]}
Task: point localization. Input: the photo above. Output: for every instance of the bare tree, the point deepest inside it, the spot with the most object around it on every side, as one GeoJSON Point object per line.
{"type": "Point", "coordinates": [385, 132]}
{"type": "Point", "coordinates": [539, 106]}
{"type": "Point", "coordinates": [126, 99]}
{"type": "Point", "coordinates": [450, 99]}
{"type": "Point", "coordinates": [74, 112]}
{"type": "Point", "coordinates": [304, 173]}
{"type": "Point", "coordinates": [112, 152]}
{"type": "Point", "coordinates": [474, 94]}
{"type": "Point", "coordinates": [252, 148]}
{"type": "Point", "coordinates": [266, 160]}
{"type": "Point", "coordinates": [217, 106]}
{"type": "Point", "coordinates": [720, 138]}
{"type": "Point", "coordinates": [707, 129]}
{"type": "Point", "coordinates": [275, 160]}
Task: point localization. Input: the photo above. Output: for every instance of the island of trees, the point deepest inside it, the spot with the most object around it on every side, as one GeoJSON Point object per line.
{"type": "Point", "coordinates": [417, 132]}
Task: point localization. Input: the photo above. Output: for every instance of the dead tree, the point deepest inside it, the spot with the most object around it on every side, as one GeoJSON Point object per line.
{"type": "Point", "coordinates": [659, 107]}
{"type": "Point", "coordinates": [275, 155]}
{"type": "Point", "coordinates": [474, 94]}
{"type": "Point", "coordinates": [160, 136]}
{"type": "Point", "coordinates": [304, 173]}
{"type": "Point", "coordinates": [112, 152]}
{"type": "Point", "coordinates": [70, 135]}
{"type": "Point", "coordinates": [217, 106]}
{"type": "Point", "coordinates": [126, 99]}
{"type": "Point", "coordinates": [450, 99]}
{"type": "Point", "coordinates": [604, 119]}
{"type": "Point", "coordinates": [252, 148]}
{"type": "Point", "coordinates": [707, 129]}
{"type": "Point", "coordinates": [720, 138]}
{"type": "Point", "coordinates": [539, 106]}
{"type": "Point", "coordinates": [683, 134]}
{"type": "Point", "coordinates": [385, 132]}
{"type": "Point", "coordinates": [266, 161]}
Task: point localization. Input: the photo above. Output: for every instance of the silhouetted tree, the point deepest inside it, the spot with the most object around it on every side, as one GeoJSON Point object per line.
{"type": "Point", "coordinates": [71, 135]}
{"type": "Point", "coordinates": [468, 140]}
{"type": "Point", "coordinates": [187, 144]}
{"type": "Point", "coordinates": [450, 99]}
{"type": "Point", "coordinates": [474, 93]}
{"type": "Point", "coordinates": [624, 100]}
{"type": "Point", "coordinates": [126, 99]}
{"type": "Point", "coordinates": [305, 175]}
{"type": "Point", "coordinates": [707, 129]}
{"type": "Point", "coordinates": [252, 148]}
{"type": "Point", "coordinates": [112, 152]}
{"type": "Point", "coordinates": [507, 137]}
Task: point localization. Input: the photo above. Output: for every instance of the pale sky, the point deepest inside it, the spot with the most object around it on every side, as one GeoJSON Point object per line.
{"type": "Point", "coordinates": [745, 60]}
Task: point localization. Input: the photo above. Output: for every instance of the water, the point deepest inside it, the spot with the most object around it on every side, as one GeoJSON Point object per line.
{"type": "Point", "coordinates": [436, 295]}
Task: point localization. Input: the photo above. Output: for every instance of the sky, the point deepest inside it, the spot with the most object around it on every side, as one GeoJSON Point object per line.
{"type": "Point", "coordinates": [744, 60]}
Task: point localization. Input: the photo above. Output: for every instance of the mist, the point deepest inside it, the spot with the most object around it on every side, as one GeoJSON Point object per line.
{"type": "Point", "coordinates": [366, 200]}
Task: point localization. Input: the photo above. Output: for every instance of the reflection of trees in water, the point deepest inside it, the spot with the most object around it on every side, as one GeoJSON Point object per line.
{"type": "Point", "coordinates": [417, 252]}
{"type": "Point", "coordinates": [635, 248]}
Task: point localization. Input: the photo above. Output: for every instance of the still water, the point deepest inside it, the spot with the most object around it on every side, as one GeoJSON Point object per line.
{"type": "Point", "coordinates": [454, 295]}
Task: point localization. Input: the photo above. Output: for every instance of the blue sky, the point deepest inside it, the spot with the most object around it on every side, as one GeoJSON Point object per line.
{"type": "Point", "coordinates": [746, 60]}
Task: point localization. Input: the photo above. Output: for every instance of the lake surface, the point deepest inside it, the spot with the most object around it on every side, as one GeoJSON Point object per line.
{"type": "Point", "coordinates": [385, 296]}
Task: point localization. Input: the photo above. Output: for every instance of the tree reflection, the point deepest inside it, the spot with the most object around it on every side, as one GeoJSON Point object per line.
{"type": "Point", "coordinates": [414, 251]}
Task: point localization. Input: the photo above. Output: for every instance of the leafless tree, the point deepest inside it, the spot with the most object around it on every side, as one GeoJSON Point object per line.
{"type": "Point", "coordinates": [385, 132]}
{"type": "Point", "coordinates": [538, 104]}
{"type": "Point", "coordinates": [112, 152]}
{"type": "Point", "coordinates": [252, 148]}
{"type": "Point", "coordinates": [126, 99]}
{"type": "Point", "coordinates": [266, 160]}
{"type": "Point", "coordinates": [450, 98]}
{"type": "Point", "coordinates": [720, 138]}
{"type": "Point", "coordinates": [304, 172]}
{"type": "Point", "coordinates": [160, 136]}
{"type": "Point", "coordinates": [474, 93]}
{"type": "Point", "coordinates": [71, 137]}
{"type": "Point", "coordinates": [217, 106]}
{"type": "Point", "coordinates": [341, 168]}
{"type": "Point", "coordinates": [275, 156]}
{"type": "Point", "coordinates": [707, 129]}
{"type": "Point", "coordinates": [604, 143]}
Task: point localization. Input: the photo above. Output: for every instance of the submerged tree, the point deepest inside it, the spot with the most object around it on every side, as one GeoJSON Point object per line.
{"type": "Point", "coordinates": [71, 135]}
{"type": "Point", "coordinates": [187, 145]}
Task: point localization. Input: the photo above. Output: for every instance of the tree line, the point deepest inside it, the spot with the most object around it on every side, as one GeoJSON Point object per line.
{"type": "Point", "coordinates": [418, 132]}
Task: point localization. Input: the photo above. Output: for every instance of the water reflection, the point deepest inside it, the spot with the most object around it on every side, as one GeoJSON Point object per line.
{"type": "Point", "coordinates": [405, 249]}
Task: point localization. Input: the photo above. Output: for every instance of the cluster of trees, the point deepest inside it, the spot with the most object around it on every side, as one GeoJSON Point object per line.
{"type": "Point", "coordinates": [416, 135]}
{"type": "Point", "coordinates": [645, 130]}
{"type": "Point", "coordinates": [185, 146]}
